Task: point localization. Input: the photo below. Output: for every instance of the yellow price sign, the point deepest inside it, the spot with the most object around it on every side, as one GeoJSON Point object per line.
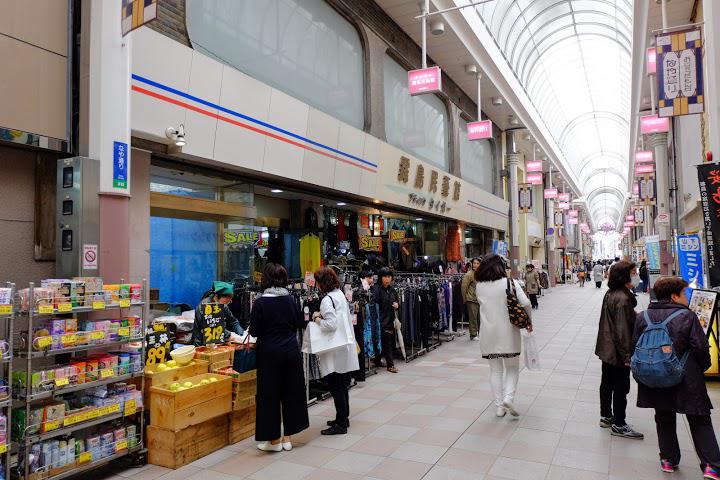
{"type": "Point", "coordinates": [45, 309]}
{"type": "Point", "coordinates": [64, 307]}
{"type": "Point", "coordinates": [5, 309]}
{"type": "Point", "coordinates": [98, 305]}
{"type": "Point", "coordinates": [44, 342]}
{"type": "Point", "coordinates": [124, 331]}
{"type": "Point", "coordinates": [53, 425]}
{"type": "Point", "coordinates": [72, 420]}
{"type": "Point", "coordinates": [107, 372]}
{"type": "Point", "coordinates": [124, 303]}
{"type": "Point", "coordinates": [61, 382]}
{"type": "Point", "coordinates": [85, 457]}
{"type": "Point", "coordinates": [97, 335]}
{"type": "Point", "coordinates": [3, 448]}
{"type": "Point", "coordinates": [130, 407]}
{"type": "Point", "coordinates": [121, 445]}
{"type": "Point", "coordinates": [68, 339]}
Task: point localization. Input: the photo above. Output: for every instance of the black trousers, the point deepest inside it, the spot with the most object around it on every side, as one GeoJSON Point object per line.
{"type": "Point", "coordinates": [614, 387]}
{"type": "Point", "coordinates": [701, 430]}
{"type": "Point", "coordinates": [388, 337]}
{"type": "Point", "coordinates": [533, 299]}
{"type": "Point", "coordinates": [338, 384]}
{"type": "Point", "coordinates": [280, 394]}
{"type": "Point", "coordinates": [598, 284]}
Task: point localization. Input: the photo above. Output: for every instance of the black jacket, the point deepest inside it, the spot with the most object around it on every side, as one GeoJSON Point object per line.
{"type": "Point", "coordinates": [617, 320]}
{"type": "Point", "coordinates": [385, 297]}
{"type": "Point", "coordinates": [690, 397]}
{"type": "Point", "coordinates": [230, 324]}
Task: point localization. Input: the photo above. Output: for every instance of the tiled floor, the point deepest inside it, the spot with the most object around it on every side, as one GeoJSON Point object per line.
{"type": "Point", "coordinates": [434, 420]}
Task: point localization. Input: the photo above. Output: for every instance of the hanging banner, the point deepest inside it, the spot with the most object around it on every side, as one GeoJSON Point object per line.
{"type": "Point", "coordinates": [564, 197]}
{"type": "Point", "coordinates": [680, 73]}
{"type": "Point", "coordinates": [397, 236]}
{"type": "Point", "coordinates": [425, 80]}
{"type": "Point", "coordinates": [709, 179]}
{"type": "Point", "coordinates": [534, 178]}
{"type": "Point", "coordinates": [652, 246]}
{"type": "Point", "coordinates": [558, 217]}
{"type": "Point", "coordinates": [136, 13]}
{"type": "Point", "coordinates": [639, 216]}
{"type": "Point", "coordinates": [690, 259]}
{"type": "Point", "coordinates": [550, 193]}
{"type": "Point", "coordinates": [525, 197]}
{"type": "Point", "coordinates": [479, 130]}
{"type": "Point", "coordinates": [646, 190]}
{"type": "Point", "coordinates": [370, 244]}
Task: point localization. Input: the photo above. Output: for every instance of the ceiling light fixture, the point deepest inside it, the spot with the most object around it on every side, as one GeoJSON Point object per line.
{"type": "Point", "coordinates": [341, 204]}
{"type": "Point", "coordinates": [514, 121]}
{"type": "Point", "coordinates": [418, 219]}
{"type": "Point", "coordinates": [497, 101]}
{"type": "Point", "coordinates": [276, 190]}
{"type": "Point", "coordinates": [437, 28]}
{"type": "Point", "coordinates": [177, 135]}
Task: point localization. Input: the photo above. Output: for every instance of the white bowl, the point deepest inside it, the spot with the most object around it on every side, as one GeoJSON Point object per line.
{"type": "Point", "coordinates": [183, 355]}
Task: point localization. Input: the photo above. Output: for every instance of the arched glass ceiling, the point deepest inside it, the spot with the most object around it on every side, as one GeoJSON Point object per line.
{"type": "Point", "coordinates": [573, 58]}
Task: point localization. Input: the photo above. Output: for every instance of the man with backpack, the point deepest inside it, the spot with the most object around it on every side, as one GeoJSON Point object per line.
{"type": "Point", "coordinates": [670, 332]}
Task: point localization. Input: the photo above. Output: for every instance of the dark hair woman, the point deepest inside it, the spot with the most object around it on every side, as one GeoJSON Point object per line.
{"type": "Point", "coordinates": [335, 364]}
{"type": "Point", "coordinates": [500, 339]}
{"type": "Point", "coordinates": [274, 320]}
{"type": "Point", "coordinates": [690, 396]}
{"type": "Point", "coordinates": [209, 317]}
{"type": "Point", "coordinates": [644, 276]}
{"type": "Point", "coordinates": [388, 301]}
{"type": "Point", "coordinates": [614, 347]}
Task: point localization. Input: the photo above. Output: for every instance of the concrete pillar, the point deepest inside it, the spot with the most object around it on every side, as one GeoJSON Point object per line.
{"type": "Point", "coordinates": [513, 160]}
{"type": "Point", "coordinates": [108, 110]}
{"type": "Point", "coordinates": [659, 143]}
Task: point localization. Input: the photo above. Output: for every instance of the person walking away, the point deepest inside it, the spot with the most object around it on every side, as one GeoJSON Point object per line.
{"type": "Point", "coordinates": [500, 339]}
{"type": "Point", "coordinates": [581, 274]}
{"type": "Point", "coordinates": [690, 396]}
{"type": "Point", "coordinates": [644, 276]}
{"type": "Point", "coordinates": [274, 320]}
{"type": "Point", "coordinates": [614, 347]}
{"type": "Point", "coordinates": [532, 284]}
{"type": "Point", "coordinates": [387, 298]}
{"type": "Point", "coordinates": [598, 274]}
{"type": "Point", "coordinates": [470, 297]}
{"type": "Point", "coordinates": [336, 364]}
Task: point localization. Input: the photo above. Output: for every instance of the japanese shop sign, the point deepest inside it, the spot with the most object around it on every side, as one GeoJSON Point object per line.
{"type": "Point", "coordinates": [525, 197]}
{"type": "Point", "coordinates": [646, 190]}
{"type": "Point", "coordinates": [425, 80]}
{"type": "Point", "coordinates": [564, 197]}
{"type": "Point", "coordinates": [643, 168]}
{"type": "Point", "coordinates": [690, 259]}
{"type": "Point", "coordinates": [680, 73]}
{"type": "Point", "coordinates": [572, 221]}
{"type": "Point", "coordinates": [654, 124]}
{"type": "Point", "coordinates": [534, 166]}
{"type": "Point", "coordinates": [550, 193]}
{"type": "Point", "coordinates": [479, 130]}
{"type": "Point", "coordinates": [558, 218]}
{"type": "Point", "coordinates": [639, 215]}
{"type": "Point", "coordinates": [651, 61]}
{"type": "Point", "coordinates": [447, 188]}
{"type": "Point", "coordinates": [212, 326]}
{"type": "Point", "coordinates": [709, 179]}
{"type": "Point", "coordinates": [120, 164]}
{"type": "Point", "coordinates": [500, 247]}
{"type": "Point", "coordinates": [564, 205]}
{"type": "Point", "coordinates": [370, 244]}
{"type": "Point", "coordinates": [534, 178]}
{"type": "Point", "coordinates": [652, 246]}
{"type": "Point", "coordinates": [644, 157]}
{"type": "Point", "coordinates": [573, 213]}
{"type": "Point", "coordinates": [159, 343]}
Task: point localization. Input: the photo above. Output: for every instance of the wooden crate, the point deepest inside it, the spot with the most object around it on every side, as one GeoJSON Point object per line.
{"type": "Point", "coordinates": [244, 387]}
{"type": "Point", "coordinates": [172, 449]}
{"type": "Point", "coordinates": [196, 367]}
{"type": "Point", "coordinates": [214, 355]}
{"type": "Point", "coordinates": [241, 424]}
{"type": "Point", "coordinates": [178, 410]}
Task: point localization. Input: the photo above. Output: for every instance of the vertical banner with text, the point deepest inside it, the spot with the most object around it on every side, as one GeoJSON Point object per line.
{"type": "Point", "coordinates": [709, 180]}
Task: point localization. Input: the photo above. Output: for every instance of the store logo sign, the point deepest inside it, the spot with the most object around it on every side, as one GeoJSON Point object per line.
{"type": "Point", "coordinates": [654, 124]}
{"type": "Point", "coordinates": [425, 80]}
{"type": "Point", "coordinates": [479, 130]}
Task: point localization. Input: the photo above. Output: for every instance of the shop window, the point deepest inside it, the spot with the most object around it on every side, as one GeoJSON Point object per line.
{"type": "Point", "coordinates": [304, 48]}
{"type": "Point", "coordinates": [476, 160]}
{"type": "Point", "coordinates": [416, 124]}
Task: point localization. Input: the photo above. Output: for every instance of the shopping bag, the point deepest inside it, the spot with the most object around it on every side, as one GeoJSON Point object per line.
{"type": "Point", "coordinates": [315, 340]}
{"type": "Point", "coordinates": [399, 336]}
{"type": "Point", "coordinates": [244, 358]}
{"type": "Point", "coordinates": [531, 352]}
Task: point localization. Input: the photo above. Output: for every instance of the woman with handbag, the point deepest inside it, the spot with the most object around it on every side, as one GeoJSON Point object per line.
{"type": "Point", "coordinates": [499, 336]}
{"type": "Point", "coordinates": [274, 320]}
{"type": "Point", "coordinates": [337, 363]}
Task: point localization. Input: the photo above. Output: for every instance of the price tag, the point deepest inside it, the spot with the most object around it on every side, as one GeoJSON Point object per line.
{"type": "Point", "coordinates": [107, 372]}
{"type": "Point", "coordinates": [72, 420]}
{"type": "Point", "coordinates": [50, 426]}
{"type": "Point", "coordinates": [124, 303]}
{"type": "Point", "coordinates": [44, 342]}
{"type": "Point", "coordinates": [97, 335]}
{"type": "Point", "coordinates": [130, 407]}
{"type": "Point", "coordinates": [124, 331]}
{"type": "Point", "coordinates": [5, 309]}
{"type": "Point", "coordinates": [85, 457]}
{"type": "Point", "coordinates": [121, 445]}
{"type": "Point", "coordinates": [64, 307]}
{"type": "Point", "coordinates": [3, 448]}
{"type": "Point", "coordinates": [98, 305]}
{"type": "Point", "coordinates": [61, 382]}
{"type": "Point", "coordinates": [45, 310]}
{"type": "Point", "coordinates": [68, 339]}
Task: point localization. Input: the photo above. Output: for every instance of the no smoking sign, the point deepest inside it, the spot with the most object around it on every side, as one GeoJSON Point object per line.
{"type": "Point", "coordinates": [90, 257]}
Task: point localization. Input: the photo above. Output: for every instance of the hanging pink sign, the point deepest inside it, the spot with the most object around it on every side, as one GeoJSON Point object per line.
{"type": "Point", "coordinates": [564, 205]}
{"type": "Point", "coordinates": [534, 178]}
{"type": "Point", "coordinates": [644, 157]}
{"type": "Point", "coordinates": [629, 224]}
{"type": "Point", "coordinates": [636, 188]}
{"type": "Point", "coordinates": [425, 80]}
{"type": "Point", "coordinates": [654, 124]}
{"type": "Point", "coordinates": [564, 197]}
{"type": "Point", "coordinates": [479, 130]}
{"type": "Point", "coordinates": [643, 168]}
{"type": "Point", "coordinates": [550, 193]}
{"type": "Point", "coordinates": [651, 61]}
{"type": "Point", "coordinates": [573, 213]}
{"type": "Point", "coordinates": [534, 166]}
{"type": "Point", "coordinates": [572, 221]}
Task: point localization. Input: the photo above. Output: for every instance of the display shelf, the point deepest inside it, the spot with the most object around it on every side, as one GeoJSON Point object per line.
{"type": "Point", "coordinates": [79, 348]}
{"type": "Point", "coordinates": [39, 437]}
{"type": "Point", "coordinates": [75, 388]}
{"type": "Point", "coordinates": [84, 467]}
{"type": "Point", "coordinates": [85, 309]}
{"type": "Point", "coordinates": [7, 315]}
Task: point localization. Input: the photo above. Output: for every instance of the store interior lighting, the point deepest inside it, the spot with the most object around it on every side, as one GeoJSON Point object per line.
{"type": "Point", "coordinates": [276, 190]}
{"type": "Point", "coordinates": [341, 204]}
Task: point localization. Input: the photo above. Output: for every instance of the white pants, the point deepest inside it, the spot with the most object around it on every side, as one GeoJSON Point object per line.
{"type": "Point", "coordinates": [504, 373]}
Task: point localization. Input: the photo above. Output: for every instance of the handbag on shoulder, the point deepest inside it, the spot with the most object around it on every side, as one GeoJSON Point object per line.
{"type": "Point", "coordinates": [519, 317]}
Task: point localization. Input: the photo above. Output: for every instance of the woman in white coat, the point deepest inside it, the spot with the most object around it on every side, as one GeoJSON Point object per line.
{"type": "Point", "coordinates": [336, 364]}
{"type": "Point", "coordinates": [499, 339]}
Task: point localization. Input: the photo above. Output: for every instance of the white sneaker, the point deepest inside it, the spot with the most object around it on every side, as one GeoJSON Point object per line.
{"type": "Point", "coordinates": [475, 339]}
{"type": "Point", "coordinates": [287, 446]}
{"type": "Point", "coordinates": [508, 404]}
{"type": "Point", "coordinates": [500, 412]}
{"type": "Point", "coordinates": [269, 447]}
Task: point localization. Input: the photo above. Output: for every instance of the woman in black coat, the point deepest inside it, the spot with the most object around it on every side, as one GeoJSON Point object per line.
{"type": "Point", "coordinates": [690, 397]}
{"type": "Point", "coordinates": [274, 321]}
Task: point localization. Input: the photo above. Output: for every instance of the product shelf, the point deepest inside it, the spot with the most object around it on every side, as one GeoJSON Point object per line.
{"type": "Point", "coordinates": [75, 388]}
{"type": "Point", "coordinates": [85, 309]}
{"type": "Point", "coordinates": [84, 467]}
{"type": "Point", "coordinates": [31, 439]}
{"type": "Point", "coordinates": [79, 348]}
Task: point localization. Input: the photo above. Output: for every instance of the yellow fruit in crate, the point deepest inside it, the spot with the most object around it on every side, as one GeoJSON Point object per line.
{"type": "Point", "coordinates": [213, 379]}
{"type": "Point", "coordinates": [161, 367]}
{"type": "Point", "coordinates": [174, 386]}
{"type": "Point", "coordinates": [204, 381]}
{"type": "Point", "coordinates": [171, 363]}
{"type": "Point", "coordinates": [180, 389]}
{"type": "Point", "coordinates": [187, 384]}
{"type": "Point", "coordinates": [149, 371]}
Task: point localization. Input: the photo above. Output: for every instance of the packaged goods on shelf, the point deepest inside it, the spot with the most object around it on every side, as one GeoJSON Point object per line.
{"type": "Point", "coordinates": [43, 297]}
{"type": "Point", "coordinates": [93, 288]}
{"type": "Point", "coordinates": [5, 296]}
{"type": "Point", "coordinates": [58, 333]}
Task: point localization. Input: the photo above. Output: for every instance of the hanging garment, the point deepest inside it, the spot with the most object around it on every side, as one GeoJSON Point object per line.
{"type": "Point", "coordinates": [309, 254]}
{"type": "Point", "coordinates": [341, 230]}
{"type": "Point", "coordinates": [353, 232]}
{"type": "Point", "coordinates": [371, 335]}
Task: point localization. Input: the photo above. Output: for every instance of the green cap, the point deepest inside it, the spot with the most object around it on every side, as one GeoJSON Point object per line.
{"type": "Point", "coordinates": [222, 288]}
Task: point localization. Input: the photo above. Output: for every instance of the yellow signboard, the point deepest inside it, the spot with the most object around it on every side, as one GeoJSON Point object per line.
{"type": "Point", "coordinates": [370, 244]}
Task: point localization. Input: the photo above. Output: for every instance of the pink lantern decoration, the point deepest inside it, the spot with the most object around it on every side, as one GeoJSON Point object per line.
{"type": "Point", "coordinates": [643, 168]}
{"type": "Point", "coordinates": [654, 124]}
{"type": "Point", "coordinates": [644, 157]}
{"type": "Point", "coordinates": [534, 166]}
{"type": "Point", "coordinates": [651, 61]}
{"type": "Point", "coordinates": [534, 178]}
{"type": "Point", "coordinates": [551, 193]}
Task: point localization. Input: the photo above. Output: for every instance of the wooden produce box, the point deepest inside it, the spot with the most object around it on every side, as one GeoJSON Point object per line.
{"type": "Point", "coordinates": [242, 424]}
{"type": "Point", "coordinates": [175, 410]}
{"type": "Point", "coordinates": [172, 449]}
{"type": "Point", "coordinates": [214, 355]}
{"type": "Point", "coordinates": [244, 389]}
{"type": "Point", "coordinates": [166, 377]}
